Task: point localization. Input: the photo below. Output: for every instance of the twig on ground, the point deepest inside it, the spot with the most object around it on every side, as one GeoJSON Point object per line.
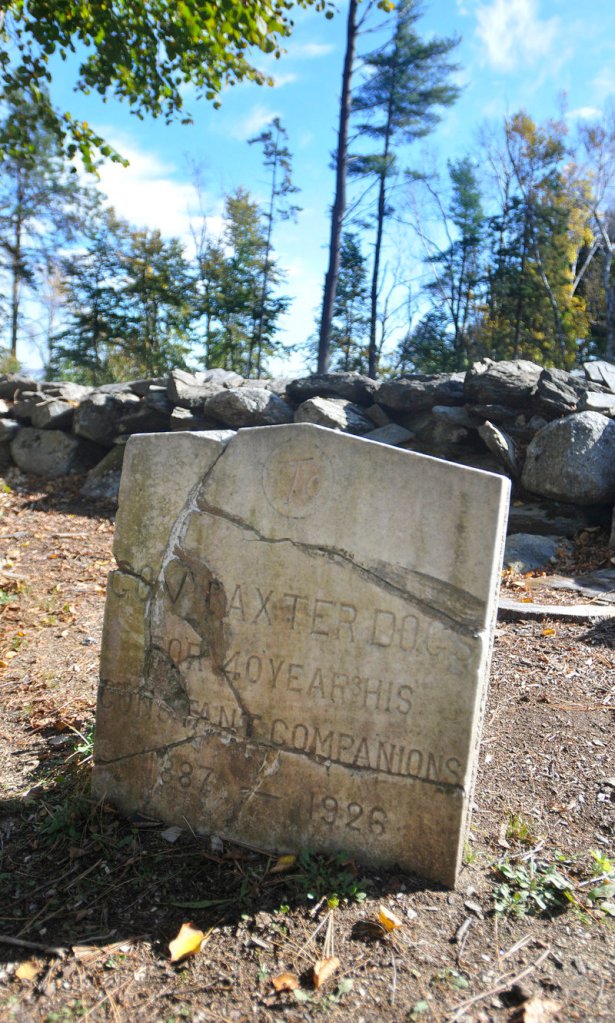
{"type": "Point", "coordinates": [506, 981]}
{"type": "Point", "coordinates": [36, 946]}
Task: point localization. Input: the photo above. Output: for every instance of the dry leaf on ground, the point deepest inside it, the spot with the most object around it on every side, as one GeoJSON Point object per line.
{"type": "Point", "coordinates": [283, 863]}
{"type": "Point", "coordinates": [323, 969]}
{"type": "Point", "coordinates": [285, 982]}
{"type": "Point", "coordinates": [389, 921]}
{"type": "Point", "coordinates": [27, 971]}
{"type": "Point", "coordinates": [187, 943]}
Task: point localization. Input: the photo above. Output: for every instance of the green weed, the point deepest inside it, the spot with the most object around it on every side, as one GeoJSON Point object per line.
{"type": "Point", "coordinates": [331, 878]}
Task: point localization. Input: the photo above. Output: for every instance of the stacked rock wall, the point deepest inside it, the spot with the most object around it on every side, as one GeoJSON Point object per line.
{"type": "Point", "coordinates": [551, 432]}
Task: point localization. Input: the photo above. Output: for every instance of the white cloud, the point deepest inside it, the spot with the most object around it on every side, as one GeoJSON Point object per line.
{"type": "Point", "coordinates": [148, 193]}
{"type": "Point", "coordinates": [255, 120]}
{"type": "Point", "coordinates": [513, 33]}
{"type": "Point", "coordinates": [308, 51]}
{"type": "Point", "coordinates": [583, 114]}
{"type": "Point", "coordinates": [604, 82]}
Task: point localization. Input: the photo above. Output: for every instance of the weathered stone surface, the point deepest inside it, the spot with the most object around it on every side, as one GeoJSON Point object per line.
{"type": "Point", "coordinates": [6, 460]}
{"type": "Point", "coordinates": [573, 460]}
{"type": "Point", "coordinates": [66, 390]}
{"type": "Point", "coordinates": [612, 536]}
{"type": "Point", "coordinates": [247, 406]}
{"type": "Point", "coordinates": [392, 433]}
{"type": "Point", "coordinates": [52, 414]}
{"type": "Point", "coordinates": [502, 383]}
{"type": "Point", "coordinates": [334, 413]}
{"type": "Point", "coordinates": [98, 418]}
{"type": "Point", "coordinates": [281, 669]}
{"type": "Point", "coordinates": [148, 416]}
{"type": "Point", "coordinates": [552, 518]}
{"type": "Point", "coordinates": [601, 372]}
{"type": "Point", "coordinates": [501, 445]}
{"type": "Point", "coordinates": [525, 552]}
{"type": "Point", "coordinates": [5, 408]}
{"type": "Point", "coordinates": [351, 386]}
{"type": "Point", "coordinates": [25, 404]}
{"type": "Point", "coordinates": [104, 479]}
{"type": "Point", "coordinates": [12, 383]}
{"type": "Point", "coordinates": [191, 390]}
{"type": "Point", "coordinates": [8, 429]}
{"type": "Point", "coordinates": [421, 393]}
{"type": "Point", "coordinates": [184, 419]}
{"type": "Point", "coordinates": [52, 452]}
{"type": "Point", "coordinates": [557, 393]}
{"type": "Point", "coordinates": [596, 402]}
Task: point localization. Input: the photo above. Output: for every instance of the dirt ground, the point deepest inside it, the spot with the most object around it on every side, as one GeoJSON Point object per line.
{"type": "Point", "coordinates": [89, 901]}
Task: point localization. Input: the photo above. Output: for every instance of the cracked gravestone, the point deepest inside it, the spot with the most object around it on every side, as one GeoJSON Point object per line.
{"type": "Point", "coordinates": [297, 642]}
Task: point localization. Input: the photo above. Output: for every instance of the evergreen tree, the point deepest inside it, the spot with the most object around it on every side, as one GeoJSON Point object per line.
{"type": "Point", "coordinates": [276, 155]}
{"type": "Point", "coordinates": [350, 325]}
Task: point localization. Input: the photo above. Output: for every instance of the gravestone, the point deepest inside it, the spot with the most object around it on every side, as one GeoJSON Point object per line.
{"type": "Point", "coordinates": [297, 641]}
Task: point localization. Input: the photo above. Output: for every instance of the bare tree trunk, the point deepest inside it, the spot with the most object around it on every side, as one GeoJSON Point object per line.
{"type": "Point", "coordinates": [609, 295]}
{"type": "Point", "coordinates": [339, 203]}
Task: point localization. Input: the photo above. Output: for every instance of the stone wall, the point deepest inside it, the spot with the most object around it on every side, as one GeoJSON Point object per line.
{"type": "Point", "coordinates": [551, 432]}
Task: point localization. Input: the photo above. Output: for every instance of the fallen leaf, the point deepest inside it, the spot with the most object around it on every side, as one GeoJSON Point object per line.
{"type": "Point", "coordinates": [548, 632]}
{"type": "Point", "coordinates": [283, 863]}
{"type": "Point", "coordinates": [324, 969]}
{"type": "Point", "coordinates": [27, 971]}
{"type": "Point", "coordinates": [187, 943]}
{"type": "Point", "coordinates": [285, 982]}
{"type": "Point", "coordinates": [537, 1010]}
{"type": "Point", "coordinates": [389, 921]}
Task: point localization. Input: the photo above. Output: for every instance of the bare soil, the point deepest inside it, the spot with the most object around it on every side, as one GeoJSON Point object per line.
{"type": "Point", "coordinates": [90, 901]}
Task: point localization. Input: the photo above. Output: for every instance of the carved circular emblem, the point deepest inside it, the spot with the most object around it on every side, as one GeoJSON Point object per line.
{"type": "Point", "coordinates": [295, 478]}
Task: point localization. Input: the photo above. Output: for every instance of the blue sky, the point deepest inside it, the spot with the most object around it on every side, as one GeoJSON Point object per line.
{"type": "Point", "coordinates": [513, 54]}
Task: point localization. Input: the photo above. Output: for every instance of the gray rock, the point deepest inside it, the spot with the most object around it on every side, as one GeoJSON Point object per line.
{"type": "Point", "coordinates": [247, 406]}
{"type": "Point", "coordinates": [98, 418]}
{"type": "Point", "coordinates": [52, 453]}
{"type": "Point", "coordinates": [5, 408]}
{"type": "Point", "coordinates": [596, 402]}
{"type": "Point", "coordinates": [557, 393]}
{"type": "Point", "coordinates": [65, 389]}
{"type": "Point", "coordinates": [550, 518]}
{"type": "Point", "coordinates": [8, 429]}
{"type": "Point", "coordinates": [494, 413]}
{"type": "Point", "coordinates": [188, 391]}
{"type": "Point", "coordinates": [25, 404]}
{"type": "Point", "coordinates": [104, 479]}
{"type": "Point", "coordinates": [573, 460]}
{"type": "Point", "coordinates": [143, 387]}
{"type": "Point", "coordinates": [221, 378]}
{"type": "Point", "coordinates": [501, 383]}
{"type": "Point", "coordinates": [455, 415]}
{"type": "Point", "coordinates": [6, 460]}
{"type": "Point", "coordinates": [612, 536]}
{"type": "Point", "coordinates": [53, 414]}
{"type": "Point", "coordinates": [525, 552]}
{"type": "Point", "coordinates": [146, 417]}
{"type": "Point", "coordinates": [420, 393]}
{"type": "Point", "coordinates": [502, 446]}
{"type": "Point", "coordinates": [352, 387]}
{"type": "Point", "coordinates": [392, 433]}
{"type": "Point", "coordinates": [601, 372]}
{"type": "Point", "coordinates": [12, 383]}
{"type": "Point", "coordinates": [184, 419]}
{"type": "Point", "coordinates": [334, 413]}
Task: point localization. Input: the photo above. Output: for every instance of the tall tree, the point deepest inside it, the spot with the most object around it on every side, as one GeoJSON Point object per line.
{"type": "Point", "coordinates": [408, 83]}
{"type": "Point", "coordinates": [40, 203]}
{"type": "Point", "coordinates": [276, 155]}
{"type": "Point", "coordinates": [143, 52]}
{"type": "Point", "coordinates": [350, 326]}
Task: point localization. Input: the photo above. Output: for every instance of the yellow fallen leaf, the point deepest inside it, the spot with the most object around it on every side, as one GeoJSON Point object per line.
{"type": "Point", "coordinates": [283, 863]}
{"type": "Point", "coordinates": [323, 969]}
{"type": "Point", "coordinates": [388, 919]}
{"type": "Point", "coordinates": [548, 632]}
{"type": "Point", "coordinates": [285, 982]}
{"type": "Point", "coordinates": [187, 943]}
{"type": "Point", "coordinates": [537, 1010]}
{"type": "Point", "coordinates": [27, 971]}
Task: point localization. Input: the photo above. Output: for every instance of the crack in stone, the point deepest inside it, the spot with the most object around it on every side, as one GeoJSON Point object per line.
{"type": "Point", "coordinates": [466, 605]}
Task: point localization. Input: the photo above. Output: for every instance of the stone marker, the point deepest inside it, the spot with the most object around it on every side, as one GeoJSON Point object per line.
{"type": "Point", "coordinates": [297, 641]}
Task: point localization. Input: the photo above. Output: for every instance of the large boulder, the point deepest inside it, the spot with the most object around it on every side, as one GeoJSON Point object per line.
{"type": "Point", "coordinates": [350, 386]}
{"type": "Point", "coordinates": [502, 383]}
{"type": "Point", "coordinates": [99, 417]}
{"type": "Point", "coordinates": [12, 383]}
{"type": "Point", "coordinates": [525, 552]}
{"type": "Point", "coordinates": [53, 414]}
{"type": "Point", "coordinates": [556, 394]}
{"type": "Point", "coordinates": [53, 453]}
{"type": "Point", "coordinates": [420, 393]}
{"type": "Point", "coordinates": [191, 390]}
{"type": "Point", "coordinates": [66, 390]}
{"type": "Point", "coordinates": [573, 460]}
{"type": "Point", "coordinates": [335, 414]}
{"type": "Point", "coordinates": [601, 372]}
{"type": "Point", "coordinates": [247, 406]}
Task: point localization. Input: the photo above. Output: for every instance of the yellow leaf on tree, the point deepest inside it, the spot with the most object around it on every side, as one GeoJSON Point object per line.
{"type": "Point", "coordinates": [187, 943]}
{"type": "Point", "coordinates": [285, 982]}
{"type": "Point", "coordinates": [283, 863]}
{"type": "Point", "coordinates": [388, 919]}
{"type": "Point", "coordinates": [323, 969]}
{"type": "Point", "coordinates": [27, 971]}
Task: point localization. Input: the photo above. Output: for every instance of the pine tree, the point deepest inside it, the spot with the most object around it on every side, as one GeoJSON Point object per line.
{"type": "Point", "coordinates": [350, 325]}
